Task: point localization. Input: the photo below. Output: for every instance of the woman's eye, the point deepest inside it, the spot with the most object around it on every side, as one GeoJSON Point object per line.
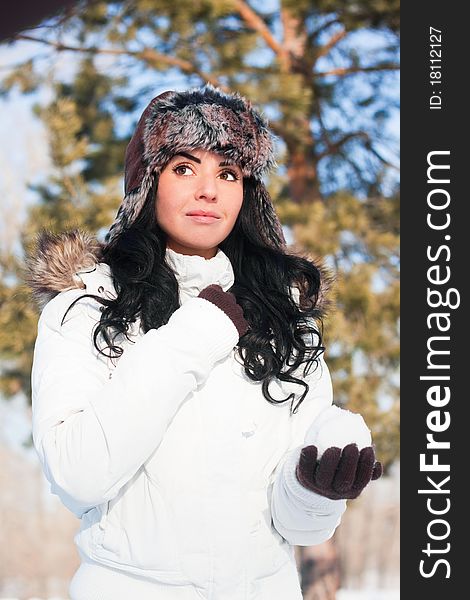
{"type": "Point", "coordinates": [178, 169]}
{"type": "Point", "coordinates": [232, 174]}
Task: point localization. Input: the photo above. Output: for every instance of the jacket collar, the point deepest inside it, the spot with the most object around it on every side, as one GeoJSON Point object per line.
{"type": "Point", "coordinates": [72, 260]}
{"type": "Point", "coordinates": [194, 273]}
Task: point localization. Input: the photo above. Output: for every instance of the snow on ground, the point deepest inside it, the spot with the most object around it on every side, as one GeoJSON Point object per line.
{"type": "Point", "coordinates": [368, 595]}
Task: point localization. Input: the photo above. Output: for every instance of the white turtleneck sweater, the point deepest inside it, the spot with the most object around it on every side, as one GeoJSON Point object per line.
{"type": "Point", "coordinates": [194, 273]}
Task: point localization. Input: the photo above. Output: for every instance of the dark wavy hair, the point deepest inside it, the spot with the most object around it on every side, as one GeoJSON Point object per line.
{"type": "Point", "coordinates": [283, 335]}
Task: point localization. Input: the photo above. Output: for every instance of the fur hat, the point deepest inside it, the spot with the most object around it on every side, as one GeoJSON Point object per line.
{"type": "Point", "coordinates": [205, 118]}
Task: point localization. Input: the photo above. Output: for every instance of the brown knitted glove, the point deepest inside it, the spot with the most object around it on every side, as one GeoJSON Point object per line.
{"type": "Point", "coordinates": [339, 473]}
{"type": "Point", "coordinates": [226, 301]}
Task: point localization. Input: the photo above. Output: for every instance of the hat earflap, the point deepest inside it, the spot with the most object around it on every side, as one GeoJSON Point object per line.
{"type": "Point", "coordinates": [266, 219]}
{"type": "Point", "coordinates": [130, 207]}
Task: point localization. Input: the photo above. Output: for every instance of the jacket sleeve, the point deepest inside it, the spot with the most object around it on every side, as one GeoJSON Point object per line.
{"type": "Point", "coordinates": [303, 517]}
{"type": "Point", "coordinates": [93, 433]}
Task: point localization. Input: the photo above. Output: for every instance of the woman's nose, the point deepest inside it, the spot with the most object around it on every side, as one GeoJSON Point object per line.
{"type": "Point", "coordinates": [206, 189]}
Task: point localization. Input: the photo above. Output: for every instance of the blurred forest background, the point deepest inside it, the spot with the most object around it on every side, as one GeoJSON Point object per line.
{"type": "Point", "coordinates": [326, 75]}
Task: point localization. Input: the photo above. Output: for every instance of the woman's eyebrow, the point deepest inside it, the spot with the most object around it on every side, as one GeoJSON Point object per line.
{"type": "Point", "coordinates": [198, 160]}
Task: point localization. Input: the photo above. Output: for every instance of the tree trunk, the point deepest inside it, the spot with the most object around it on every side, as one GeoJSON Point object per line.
{"type": "Point", "coordinates": [302, 172]}
{"type": "Point", "coordinates": [319, 571]}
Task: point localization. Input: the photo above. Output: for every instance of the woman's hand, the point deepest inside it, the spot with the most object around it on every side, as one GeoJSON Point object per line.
{"type": "Point", "coordinates": [227, 302]}
{"type": "Point", "coordinates": [339, 474]}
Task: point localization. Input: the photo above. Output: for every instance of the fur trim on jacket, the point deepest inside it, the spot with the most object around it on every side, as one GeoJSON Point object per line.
{"type": "Point", "coordinates": [52, 266]}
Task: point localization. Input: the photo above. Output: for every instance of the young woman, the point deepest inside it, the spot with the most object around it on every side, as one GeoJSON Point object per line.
{"type": "Point", "coordinates": [178, 373]}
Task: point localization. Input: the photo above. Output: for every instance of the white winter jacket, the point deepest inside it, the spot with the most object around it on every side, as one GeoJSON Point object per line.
{"type": "Point", "coordinates": [181, 472]}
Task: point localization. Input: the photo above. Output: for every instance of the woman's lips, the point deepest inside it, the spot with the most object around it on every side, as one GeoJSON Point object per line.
{"type": "Point", "coordinates": [203, 218]}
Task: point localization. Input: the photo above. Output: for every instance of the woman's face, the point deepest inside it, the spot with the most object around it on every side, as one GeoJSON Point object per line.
{"type": "Point", "coordinates": [198, 199]}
